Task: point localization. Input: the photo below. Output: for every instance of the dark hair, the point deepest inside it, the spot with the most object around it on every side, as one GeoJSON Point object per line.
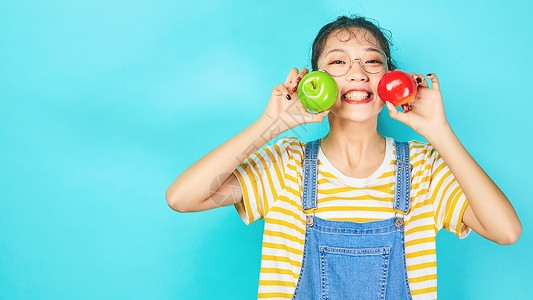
{"type": "Point", "coordinates": [345, 23]}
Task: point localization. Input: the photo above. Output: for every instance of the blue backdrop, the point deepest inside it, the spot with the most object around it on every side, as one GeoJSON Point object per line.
{"type": "Point", "coordinates": [105, 103]}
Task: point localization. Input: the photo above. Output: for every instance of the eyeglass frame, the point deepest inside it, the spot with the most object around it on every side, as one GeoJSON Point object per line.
{"type": "Point", "coordinates": [359, 59]}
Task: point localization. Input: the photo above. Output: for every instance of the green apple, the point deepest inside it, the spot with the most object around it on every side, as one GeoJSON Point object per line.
{"type": "Point", "coordinates": [317, 91]}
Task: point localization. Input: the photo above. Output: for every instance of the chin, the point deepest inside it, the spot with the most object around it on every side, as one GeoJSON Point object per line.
{"type": "Point", "coordinates": [358, 114]}
{"type": "Point", "coordinates": [358, 117]}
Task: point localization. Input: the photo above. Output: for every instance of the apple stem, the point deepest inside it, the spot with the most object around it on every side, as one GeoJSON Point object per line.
{"type": "Point", "coordinates": [313, 84]}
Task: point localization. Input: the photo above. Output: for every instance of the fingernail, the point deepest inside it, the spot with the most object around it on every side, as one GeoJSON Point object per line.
{"type": "Point", "coordinates": [288, 97]}
{"type": "Point", "coordinates": [295, 86]}
{"type": "Point", "coordinates": [418, 80]}
{"type": "Point", "coordinates": [429, 74]}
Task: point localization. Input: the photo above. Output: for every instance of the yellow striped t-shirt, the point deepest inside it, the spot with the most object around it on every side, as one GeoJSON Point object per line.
{"type": "Point", "coordinates": [271, 181]}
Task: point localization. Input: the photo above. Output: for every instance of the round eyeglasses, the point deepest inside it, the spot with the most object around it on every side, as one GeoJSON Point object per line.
{"type": "Point", "coordinates": [337, 62]}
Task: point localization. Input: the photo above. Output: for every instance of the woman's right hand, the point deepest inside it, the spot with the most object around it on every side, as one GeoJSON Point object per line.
{"type": "Point", "coordinates": [285, 106]}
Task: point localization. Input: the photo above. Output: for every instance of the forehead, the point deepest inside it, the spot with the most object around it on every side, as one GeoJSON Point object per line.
{"type": "Point", "coordinates": [352, 39]}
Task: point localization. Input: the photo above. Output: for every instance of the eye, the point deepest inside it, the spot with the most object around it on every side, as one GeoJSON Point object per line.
{"type": "Point", "coordinates": [374, 61]}
{"type": "Point", "coordinates": [337, 62]}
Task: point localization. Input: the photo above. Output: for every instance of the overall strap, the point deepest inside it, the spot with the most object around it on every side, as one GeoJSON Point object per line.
{"type": "Point", "coordinates": [310, 174]}
{"type": "Point", "coordinates": [402, 193]}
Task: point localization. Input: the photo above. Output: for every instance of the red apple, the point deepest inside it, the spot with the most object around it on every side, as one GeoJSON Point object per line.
{"type": "Point", "coordinates": [397, 87]}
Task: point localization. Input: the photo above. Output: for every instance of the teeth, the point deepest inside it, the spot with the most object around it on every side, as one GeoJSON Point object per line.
{"type": "Point", "coordinates": [357, 95]}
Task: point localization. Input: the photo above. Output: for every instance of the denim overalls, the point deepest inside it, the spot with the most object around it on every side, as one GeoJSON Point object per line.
{"type": "Point", "coordinates": [352, 260]}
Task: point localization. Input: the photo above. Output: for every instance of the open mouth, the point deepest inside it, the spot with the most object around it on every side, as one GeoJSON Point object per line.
{"type": "Point", "coordinates": [357, 97]}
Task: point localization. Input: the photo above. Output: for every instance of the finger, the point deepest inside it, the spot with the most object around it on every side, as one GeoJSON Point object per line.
{"type": "Point", "coordinates": [302, 73]}
{"type": "Point", "coordinates": [319, 117]}
{"type": "Point", "coordinates": [414, 77]}
{"type": "Point", "coordinates": [282, 89]}
{"type": "Point", "coordinates": [293, 73]}
{"type": "Point", "coordinates": [394, 113]}
{"type": "Point", "coordinates": [421, 81]}
{"type": "Point", "coordinates": [315, 117]}
{"type": "Point", "coordinates": [434, 81]}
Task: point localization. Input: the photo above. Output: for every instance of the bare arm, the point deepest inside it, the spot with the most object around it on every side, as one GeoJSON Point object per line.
{"type": "Point", "coordinates": [489, 212]}
{"type": "Point", "coordinates": [209, 182]}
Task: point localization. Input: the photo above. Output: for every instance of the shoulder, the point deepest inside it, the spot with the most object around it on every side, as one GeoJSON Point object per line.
{"type": "Point", "coordinates": [287, 148]}
{"type": "Point", "coordinates": [414, 145]}
{"type": "Point", "coordinates": [419, 147]}
{"type": "Point", "coordinates": [418, 151]}
{"type": "Point", "coordinates": [422, 152]}
{"type": "Point", "coordinates": [291, 144]}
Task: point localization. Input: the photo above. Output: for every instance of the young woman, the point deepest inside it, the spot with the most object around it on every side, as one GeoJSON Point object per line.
{"type": "Point", "coordinates": [352, 215]}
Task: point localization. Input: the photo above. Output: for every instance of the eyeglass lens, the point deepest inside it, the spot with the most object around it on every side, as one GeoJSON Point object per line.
{"type": "Point", "coordinates": [337, 63]}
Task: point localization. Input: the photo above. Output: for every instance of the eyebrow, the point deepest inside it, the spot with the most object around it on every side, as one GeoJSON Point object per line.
{"type": "Point", "coordinates": [336, 49]}
{"type": "Point", "coordinates": [346, 50]}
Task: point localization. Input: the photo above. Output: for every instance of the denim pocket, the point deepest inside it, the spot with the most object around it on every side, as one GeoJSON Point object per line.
{"type": "Point", "coordinates": [354, 273]}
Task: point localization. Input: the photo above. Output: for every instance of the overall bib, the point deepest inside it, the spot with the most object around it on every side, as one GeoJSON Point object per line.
{"type": "Point", "coordinates": [352, 260]}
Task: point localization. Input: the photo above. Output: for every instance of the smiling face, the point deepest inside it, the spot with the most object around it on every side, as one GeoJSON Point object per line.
{"type": "Point", "coordinates": [358, 99]}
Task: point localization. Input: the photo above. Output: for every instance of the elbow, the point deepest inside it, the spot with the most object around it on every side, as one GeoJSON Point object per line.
{"type": "Point", "coordinates": [173, 203]}
{"type": "Point", "coordinates": [513, 237]}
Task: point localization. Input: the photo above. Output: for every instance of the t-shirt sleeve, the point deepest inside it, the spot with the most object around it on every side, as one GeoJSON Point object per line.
{"type": "Point", "coordinates": [261, 177]}
{"type": "Point", "coordinates": [449, 201]}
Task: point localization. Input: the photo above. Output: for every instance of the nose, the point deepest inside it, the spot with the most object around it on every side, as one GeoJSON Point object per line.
{"type": "Point", "coordinates": [356, 73]}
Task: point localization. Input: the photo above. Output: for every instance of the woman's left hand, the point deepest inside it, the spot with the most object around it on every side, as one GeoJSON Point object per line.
{"type": "Point", "coordinates": [425, 113]}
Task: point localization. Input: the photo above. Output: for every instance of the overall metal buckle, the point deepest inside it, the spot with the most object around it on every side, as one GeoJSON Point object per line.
{"type": "Point", "coordinates": [310, 219]}
{"type": "Point", "coordinates": [403, 164]}
{"type": "Point", "coordinates": [399, 221]}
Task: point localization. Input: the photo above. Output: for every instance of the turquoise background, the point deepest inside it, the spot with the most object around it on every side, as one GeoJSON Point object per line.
{"type": "Point", "coordinates": [105, 103]}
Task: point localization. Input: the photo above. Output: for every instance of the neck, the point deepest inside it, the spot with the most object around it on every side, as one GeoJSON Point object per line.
{"type": "Point", "coordinates": [353, 142]}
